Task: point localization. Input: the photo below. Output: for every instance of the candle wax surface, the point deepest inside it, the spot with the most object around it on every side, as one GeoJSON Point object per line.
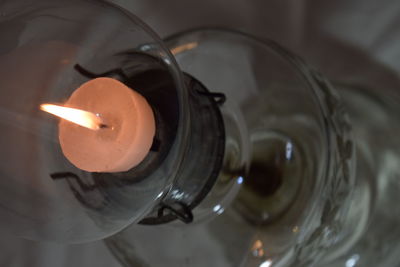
{"type": "Point", "coordinates": [126, 140]}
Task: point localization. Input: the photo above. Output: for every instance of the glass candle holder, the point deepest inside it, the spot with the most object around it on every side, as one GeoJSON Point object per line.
{"type": "Point", "coordinates": [252, 163]}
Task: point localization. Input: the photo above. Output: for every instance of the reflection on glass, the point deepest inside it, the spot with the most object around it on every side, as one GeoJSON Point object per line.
{"type": "Point", "coordinates": [266, 263]}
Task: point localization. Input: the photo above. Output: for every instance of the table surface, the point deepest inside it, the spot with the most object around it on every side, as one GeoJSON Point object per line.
{"type": "Point", "coordinates": [355, 41]}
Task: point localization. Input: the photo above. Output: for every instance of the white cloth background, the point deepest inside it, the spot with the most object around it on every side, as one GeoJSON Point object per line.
{"type": "Point", "coordinates": [355, 41]}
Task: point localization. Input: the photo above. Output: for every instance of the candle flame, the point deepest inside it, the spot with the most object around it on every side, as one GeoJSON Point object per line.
{"type": "Point", "coordinates": [184, 47]}
{"type": "Point", "coordinates": [81, 117]}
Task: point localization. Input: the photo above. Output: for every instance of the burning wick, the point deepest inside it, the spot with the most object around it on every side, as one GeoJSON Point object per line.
{"type": "Point", "coordinates": [125, 114]}
{"type": "Point", "coordinates": [81, 117]}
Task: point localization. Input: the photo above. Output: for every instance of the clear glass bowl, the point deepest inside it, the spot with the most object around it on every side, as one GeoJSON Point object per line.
{"type": "Point", "coordinates": [48, 49]}
{"type": "Point", "coordinates": [281, 198]}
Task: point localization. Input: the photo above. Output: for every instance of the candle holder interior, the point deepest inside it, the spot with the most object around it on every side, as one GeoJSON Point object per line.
{"type": "Point", "coordinates": [50, 48]}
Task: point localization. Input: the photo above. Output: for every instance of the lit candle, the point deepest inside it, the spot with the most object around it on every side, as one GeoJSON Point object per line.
{"type": "Point", "coordinates": [106, 126]}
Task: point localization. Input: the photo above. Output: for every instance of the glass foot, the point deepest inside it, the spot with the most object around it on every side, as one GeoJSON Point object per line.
{"type": "Point", "coordinates": [282, 197]}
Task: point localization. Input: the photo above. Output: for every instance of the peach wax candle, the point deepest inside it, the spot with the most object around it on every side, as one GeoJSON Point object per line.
{"type": "Point", "coordinates": [105, 127]}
